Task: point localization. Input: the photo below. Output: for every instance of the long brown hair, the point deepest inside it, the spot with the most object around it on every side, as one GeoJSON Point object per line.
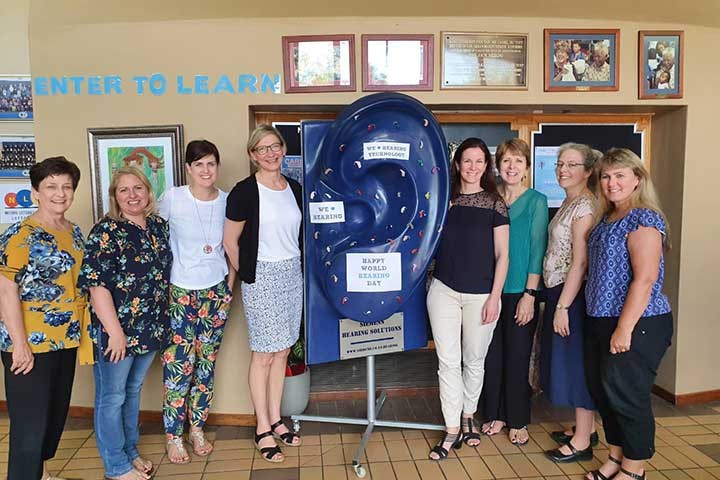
{"type": "Point", "coordinates": [487, 181]}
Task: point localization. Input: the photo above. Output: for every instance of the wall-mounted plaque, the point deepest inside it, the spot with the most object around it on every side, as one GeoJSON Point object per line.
{"type": "Point", "coordinates": [484, 61]}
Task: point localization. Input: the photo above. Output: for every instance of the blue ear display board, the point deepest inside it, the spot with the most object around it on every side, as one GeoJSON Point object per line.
{"type": "Point", "coordinates": [376, 186]}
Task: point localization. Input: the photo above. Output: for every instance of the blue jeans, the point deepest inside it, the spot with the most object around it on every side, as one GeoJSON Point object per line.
{"type": "Point", "coordinates": [117, 408]}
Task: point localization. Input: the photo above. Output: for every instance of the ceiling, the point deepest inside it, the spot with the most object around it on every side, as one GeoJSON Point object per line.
{"type": "Point", "coordinates": [693, 12]}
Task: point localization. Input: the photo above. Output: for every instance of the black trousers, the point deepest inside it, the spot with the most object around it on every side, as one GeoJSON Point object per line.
{"type": "Point", "coordinates": [506, 390]}
{"type": "Point", "coordinates": [621, 384]}
{"type": "Point", "coordinates": [37, 406]}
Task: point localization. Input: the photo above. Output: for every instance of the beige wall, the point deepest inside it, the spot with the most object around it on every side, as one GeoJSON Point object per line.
{"type": "Point", "coordinates": [239, 45]}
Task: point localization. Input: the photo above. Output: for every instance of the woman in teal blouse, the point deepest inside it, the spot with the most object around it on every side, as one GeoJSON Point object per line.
{"type": "Point", "coordinates": [507, 392]}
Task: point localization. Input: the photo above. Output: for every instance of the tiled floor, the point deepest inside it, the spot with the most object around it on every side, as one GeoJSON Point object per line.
{"type": "Point", "coordinates": [688, 447]}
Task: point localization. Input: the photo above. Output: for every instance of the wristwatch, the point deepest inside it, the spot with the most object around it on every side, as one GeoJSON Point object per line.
{"type": "Point", "coordinates": [531, 291]}
{"type": "Point", "coordinates": [560, 306]}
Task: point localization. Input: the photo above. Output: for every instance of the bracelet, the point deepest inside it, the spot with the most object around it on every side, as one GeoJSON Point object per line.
{"type": "Point", "coordinates": [560, 306]}
{"type": "Point", "coordinates": [531, 291]}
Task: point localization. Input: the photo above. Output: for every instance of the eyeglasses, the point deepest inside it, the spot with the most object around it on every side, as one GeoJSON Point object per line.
{"type": "Point", "coordinates": [560, 165]}
{"type": "Point", "coordinates": [262, 150]}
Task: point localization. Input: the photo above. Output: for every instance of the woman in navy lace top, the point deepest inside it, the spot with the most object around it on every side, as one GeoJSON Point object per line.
{"type": "Point", "coordinates": [630, 324]}
{"type": "Point", "coordinates": [464, 299]}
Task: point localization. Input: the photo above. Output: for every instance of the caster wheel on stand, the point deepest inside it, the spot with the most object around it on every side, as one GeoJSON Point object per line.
{"type": "Point", "coordinates": [359, 470]}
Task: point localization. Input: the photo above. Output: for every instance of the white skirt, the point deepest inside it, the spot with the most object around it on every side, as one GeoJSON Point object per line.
{"type": "Point", "coordinates": [273, 305]}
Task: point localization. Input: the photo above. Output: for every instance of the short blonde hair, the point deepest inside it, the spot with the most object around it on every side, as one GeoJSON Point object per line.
{"type": "Point", "coordinates": [115, 213]}
{"type": "Point", "coordinates": [260, 132]}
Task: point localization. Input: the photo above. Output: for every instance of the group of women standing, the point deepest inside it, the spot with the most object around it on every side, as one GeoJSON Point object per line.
{"type": "Point", "coordinates": [606, 323]}
{"type": "Point", "coordinates": [158, 280]}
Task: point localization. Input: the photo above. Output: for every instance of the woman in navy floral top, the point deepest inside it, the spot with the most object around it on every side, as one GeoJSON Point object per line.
{"type": "Point", "coordinates": [126, 269]}
{"type": "Point", "coordinates": [630, 325]}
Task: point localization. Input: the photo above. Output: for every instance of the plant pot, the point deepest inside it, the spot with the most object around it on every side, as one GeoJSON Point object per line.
{"type": "Point", "coordinates": [296, 394]}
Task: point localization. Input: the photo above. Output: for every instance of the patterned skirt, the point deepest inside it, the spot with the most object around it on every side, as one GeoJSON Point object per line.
{"type": "Point", "coordinates": [273, 305]}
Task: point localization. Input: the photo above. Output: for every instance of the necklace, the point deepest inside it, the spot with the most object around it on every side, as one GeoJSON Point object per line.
{"type": "Point", "coordinates": [207, 248]}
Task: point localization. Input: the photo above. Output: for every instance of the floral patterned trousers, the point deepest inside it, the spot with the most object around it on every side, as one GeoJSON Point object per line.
{"type": "Point", "coordinates": [197, 320]}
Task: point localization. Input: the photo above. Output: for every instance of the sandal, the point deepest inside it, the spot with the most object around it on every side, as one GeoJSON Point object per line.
{"type": "Point", "coordinates": [634, 476]}
{"type": "Point", "coordinates": [142, 465]}
{"type": "Point", "coordinates": [200, 445]}
{"type": "Point", "coordinates": [489, 428]}
{"type": "Point", "coordinates": [515, 441]}
{"type": "Point", "coordinates": [443, 452]}
{"type": "Point", "coordinates": [598, 475]}
{"type": "Point", "coordinates": [472, 432]}
{"type": "Point", "coordinates": [269, 454]}
{"type": "Point", "coordinates": [288, 438]}
{"type": "Point", "coordinates": [177, 443]}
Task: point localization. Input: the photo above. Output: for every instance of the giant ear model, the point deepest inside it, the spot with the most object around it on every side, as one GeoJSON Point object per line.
{"type": "Point", "coordinates": [376, 189]}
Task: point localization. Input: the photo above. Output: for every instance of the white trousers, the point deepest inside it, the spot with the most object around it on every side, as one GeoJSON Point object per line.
{"type": "Point", "coordinates": [460, 336]}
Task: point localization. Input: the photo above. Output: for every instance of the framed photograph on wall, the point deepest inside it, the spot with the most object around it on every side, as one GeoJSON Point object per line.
{"type": "Point", "coordinates": [156, 150]}
{"type": "Point", "coordinates": [582, 60]}
{"type": "Point", "coordinates": [16, 101]}
{"type": "Point", "coordinates": [319, 63]}
{"type": "Point", "coordinates": [17, 155]}
{"type": "Point", "coordinates": [660, 66]}
{"type": "Point", "coordinates": [397, 62]}
{"type": "Point", "coordinates": [488, 61]}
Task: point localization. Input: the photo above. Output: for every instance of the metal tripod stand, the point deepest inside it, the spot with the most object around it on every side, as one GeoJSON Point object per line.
{"type": "Point", "coordinates": [373, 408]}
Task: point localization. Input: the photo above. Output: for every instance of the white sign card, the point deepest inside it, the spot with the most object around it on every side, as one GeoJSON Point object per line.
{"type": "Point", "coordinates": [358, 339]}
{"type": "Point", "coordinates": [16, 202]}
{"type": "Point", "coordinates": [393, 150]}
{"type": "Point", "coordinates": [374, 272]}
{"type": "Point", "coordinates": [327, 212]}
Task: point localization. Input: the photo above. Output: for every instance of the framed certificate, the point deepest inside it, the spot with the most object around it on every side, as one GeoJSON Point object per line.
{"type": "Point", "coordinates": [397, 62]}
{"type": "Point", "coordinates": [484, 61]}
{"type": "Point", "coordinates": [319, 63]}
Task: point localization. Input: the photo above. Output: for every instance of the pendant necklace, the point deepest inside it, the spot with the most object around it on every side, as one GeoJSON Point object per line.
{"type": "Point", "coordinates": [207, 248]}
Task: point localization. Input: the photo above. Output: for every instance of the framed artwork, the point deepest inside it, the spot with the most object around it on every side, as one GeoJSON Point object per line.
{"type": "Point", "coordinates": [16, 97]}
{"type": "Point", "coordinates": [488, 61]}
{"type": "Point", "coordinates": [660, 65]}
{"type": "Point", "coordinates": [397, 62]}
{"type": "Point", "coordinates": [582, 60]}
{"type": "Point", "coordinates": [155, 150]}
{"type": "Point", "coordinates": [319, 63]}
{"type": "Point", "coordinates": [17, 155]}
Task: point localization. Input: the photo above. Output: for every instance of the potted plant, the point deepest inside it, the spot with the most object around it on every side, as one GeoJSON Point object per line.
{"type": "Point", "coordinates": [296, 392]}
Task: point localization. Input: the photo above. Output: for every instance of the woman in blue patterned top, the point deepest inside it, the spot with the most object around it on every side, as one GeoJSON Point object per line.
{"type": "Point", "coordinates": [630, 324]}
{"type": "Point", "coordinates": [126, 269]}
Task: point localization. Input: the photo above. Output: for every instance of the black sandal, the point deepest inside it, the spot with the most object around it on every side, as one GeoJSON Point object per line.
{"type": "Point", "coordinates": [441, 451]}
{"type": "Point", "coordinates": [268, 453]}
{"type": "Point", "coordinates": [288, 437]}
{"type": "Point", "coordinates": [634, 476]}
{"type": "Point", "coordinates": [598, 475]}
{"type": "Point", "coordinates": [472, 433]}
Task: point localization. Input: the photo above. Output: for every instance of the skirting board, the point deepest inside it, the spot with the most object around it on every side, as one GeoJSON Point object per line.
{"type": "Point", "coordinates": [408, 392]}
{"type": "Point", "coordinates": [687, 398]}
{"type": "Point", "coordinates": [222, 419]}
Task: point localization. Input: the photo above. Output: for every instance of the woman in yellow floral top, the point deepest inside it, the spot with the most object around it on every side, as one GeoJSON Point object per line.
{"type": "Point", "coordinates": [42, 315]}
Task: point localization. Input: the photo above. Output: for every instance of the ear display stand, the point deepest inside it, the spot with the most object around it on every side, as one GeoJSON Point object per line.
{"type": "Point", "coordinates": [373, 409]}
